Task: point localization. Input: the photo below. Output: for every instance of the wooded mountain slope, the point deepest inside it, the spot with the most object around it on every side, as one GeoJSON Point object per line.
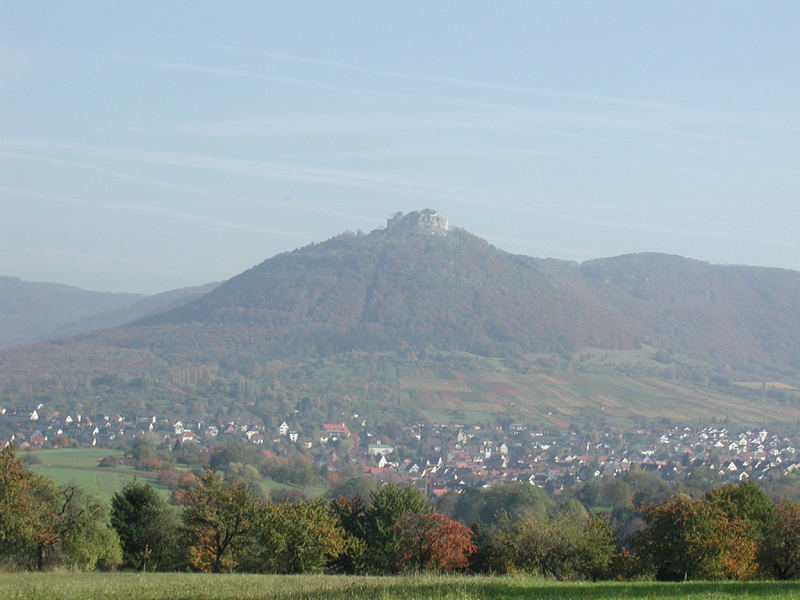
{"type": "Point", "coordinates": [745, 316]}
{"type": "Point", "coordinates": [387, 291]}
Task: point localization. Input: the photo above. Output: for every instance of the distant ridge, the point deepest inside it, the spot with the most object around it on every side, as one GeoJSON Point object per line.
{"type": "Point", "coordinates": [33, 311]}
{"type": "Point", "coordinates": [746, 316]}
{"type": "Point", "coordinates": [30, 310]}
{"type": "Point", "coordinates": [147, 306]}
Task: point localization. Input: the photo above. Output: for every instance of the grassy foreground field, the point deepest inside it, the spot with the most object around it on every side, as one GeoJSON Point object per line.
{"type": "Point", "coordinates": [74, 586]}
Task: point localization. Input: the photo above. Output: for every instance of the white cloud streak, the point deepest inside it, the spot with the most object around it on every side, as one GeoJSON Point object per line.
{"type": "Point", "coordinates": [259, 169]}
{"type": "Point", "coordinates": [256, 75]}
{"type": "Point", "coordinates": [269, 170]}
{"type": "Point", "coordinates": [695, 114]}
{"type": "Point", "coordinates": [151, 209]}
{"type": "Point", "coordinates": [679, 230]}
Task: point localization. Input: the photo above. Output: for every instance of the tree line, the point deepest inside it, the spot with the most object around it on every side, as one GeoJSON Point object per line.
{"type": "Point", "coordinates": [733, 531]}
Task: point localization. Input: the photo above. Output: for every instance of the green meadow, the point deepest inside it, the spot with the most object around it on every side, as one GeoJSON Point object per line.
{"type": "Point", "coordinates": [79, 466]}
{"type": "Point", "coordinates": [179, 586]}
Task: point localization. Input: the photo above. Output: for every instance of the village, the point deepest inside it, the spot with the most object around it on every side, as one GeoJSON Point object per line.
{"type": "Point", "coordinates": [440, 457]}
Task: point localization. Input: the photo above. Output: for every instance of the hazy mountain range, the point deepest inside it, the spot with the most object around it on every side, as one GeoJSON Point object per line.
{"type": "Point", "coordinates": [397, 291]}
{"type": "Point", "coordinates": [33, 311]}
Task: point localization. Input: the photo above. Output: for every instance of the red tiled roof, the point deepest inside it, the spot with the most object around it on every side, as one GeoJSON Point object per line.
{"type": "Point", "coordinates": [335, 428]}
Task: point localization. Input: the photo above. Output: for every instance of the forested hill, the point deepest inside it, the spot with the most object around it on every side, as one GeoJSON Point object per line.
{"type": "Point", "coordinates": [389, 291]}
{"type": "Point", "coordinates": [744, 316]}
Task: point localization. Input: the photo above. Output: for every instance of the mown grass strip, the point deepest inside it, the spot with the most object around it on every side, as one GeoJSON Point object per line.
{"type": "Point", "coordinates": [180, 586]}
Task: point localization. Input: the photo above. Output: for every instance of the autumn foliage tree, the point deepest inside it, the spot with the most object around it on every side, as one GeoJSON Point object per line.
{"type": "Point", "coordinates": [75, 531]}
{"type": "Point", "coordinates": [388, 505]}
{"type": "Point", "coordinates": [780, 550]}
{"type": "Point", "coordinates": [746, 503]}
{"type": "Point", "coordinates": [218, 516]}
{"type": "Point", "coordinates": [695, 539]}
{"type": "Point", "coordinates": [43, 524]}
{"type": "Point", "coordinates": [432, 541]}
{"type": "Point", "coordinates": [19, 518]}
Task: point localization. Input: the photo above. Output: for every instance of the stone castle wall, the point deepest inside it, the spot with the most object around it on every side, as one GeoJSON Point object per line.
{"type": "Point", "coordinates": [426, 221]}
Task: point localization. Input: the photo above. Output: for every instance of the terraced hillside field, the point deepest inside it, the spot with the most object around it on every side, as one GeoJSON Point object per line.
{"type": "Point", "coordinates": [623, 388]}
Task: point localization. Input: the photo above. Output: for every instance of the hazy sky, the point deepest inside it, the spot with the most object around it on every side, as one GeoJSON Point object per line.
{"type": "Point", "coordinates": [149, 146]}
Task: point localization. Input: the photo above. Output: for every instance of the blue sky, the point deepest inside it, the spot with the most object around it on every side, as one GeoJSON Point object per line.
{"type": "Point", "coordinates": [146, 146]}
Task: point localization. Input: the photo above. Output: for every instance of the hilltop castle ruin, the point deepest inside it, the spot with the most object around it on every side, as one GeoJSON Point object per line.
{"type": "Point", "coordinates": [427, 221]}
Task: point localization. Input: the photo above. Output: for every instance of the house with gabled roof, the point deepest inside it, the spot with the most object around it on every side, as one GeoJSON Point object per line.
{"type": "Point", "coordinates": [336, 429]}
